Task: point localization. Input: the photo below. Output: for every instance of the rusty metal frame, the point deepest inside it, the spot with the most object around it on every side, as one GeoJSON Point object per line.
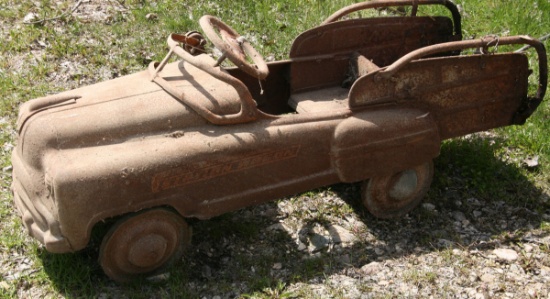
{"type": "Point", "coordinates": [397, 83]}
{"type": "Point", "coordinates": [483, 43]}
{"type": "Point", "coordinates": [325, 46]}
{"type": "Point", "coordinates": [248, 110]}
{"type": "Point", "coordinates": [389, 3]}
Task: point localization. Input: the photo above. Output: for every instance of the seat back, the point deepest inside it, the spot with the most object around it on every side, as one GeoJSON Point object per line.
{"type": "Point", "coordinates": [320, 56]}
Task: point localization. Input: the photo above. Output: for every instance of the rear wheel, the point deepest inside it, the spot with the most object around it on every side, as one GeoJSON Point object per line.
{"type": "Point", "coordinates": [143, 244]}
{"type": "Point", "coordinates": [395, 195]}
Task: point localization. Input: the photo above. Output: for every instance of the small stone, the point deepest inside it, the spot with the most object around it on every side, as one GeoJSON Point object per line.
{"type": "Point", "coordinates": [318, 242]}
{"type": "Point", "coordinates": [480, 296]}
{"type": "Point", "coordinates": [516, 269]}
{"type": "Point", "coordinates": [531, 163]}
{"type": "Point", "coordinates": [457, 251]}
{"type": "Point", "coordinates": [528, 248]}
{"type": "Point", "coordinates": [445, 243]}
{"type": "Point", "coordinates": [206, 271]}
{"type": "Point", "coordinates": [302, 246]}
{"type": "Point", "coordinates": [372, 268]}
{"type": "Point", "coordinates": [344, 259]}
{"type": "Point", "coordinates": [487, 278]}
{"type": "Point", "coordinates": [459, 216]}
{"type": "Point", "coordinates": [340, 234]}
{"type": "Point", "coordinates": [504, 254]}
{"type": "Point", "coordinates": [477, 213]}
{"type": "Point", "coordinates": [8, 147]}
{"type": "Point", "coordinates": [356, 225]}
{"type": "Point", "coordinates": [151, 16]}
{"type": "Point", "coordinates": [4, 285]}
{"type": "Point", "coordinates": [216, 297]}
{"type": "Point", "coordinates": [13, 276]}
{"type": "Point", "coordinates": [30, 18]}
{"type": "Point", "coordinates": [278, 227]}
{"type": "Point", "coordinates": [384, 283]}
{"type": "Point", "coordinates": [428, 206]}
{"type": "Point", "coordinates": [398, 248]}
{"type": "Point", "coordinates": [277, 266]}
{"type": "Point", "coordinates": [379, 251]}
{"type": "Point", "coordinates": [159, 278]}
{"type": "Point", "coordinates": [473, 201]}
{"type": "Point", "coordinates": [247, 214]}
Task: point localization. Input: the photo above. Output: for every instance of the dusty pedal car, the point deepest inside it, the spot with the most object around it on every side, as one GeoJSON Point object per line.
{"type": "Point", "coordinates": [192, 139]}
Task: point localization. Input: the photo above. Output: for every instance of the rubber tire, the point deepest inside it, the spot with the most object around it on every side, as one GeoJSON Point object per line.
{"type": "Point", "coordinates": [143, 244]}
{"type": "Point", "coordinates": [395, 195]}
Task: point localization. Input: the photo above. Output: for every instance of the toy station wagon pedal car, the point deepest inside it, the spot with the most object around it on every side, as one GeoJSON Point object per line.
{"type": "Point", "coordinates": [364, 99]}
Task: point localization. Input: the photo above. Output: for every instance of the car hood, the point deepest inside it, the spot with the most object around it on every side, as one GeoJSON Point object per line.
{"type": "Point", "coordinates": [118, 110]}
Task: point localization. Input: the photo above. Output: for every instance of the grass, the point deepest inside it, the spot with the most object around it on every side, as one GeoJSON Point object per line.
{"type": "Point", "coordinates": [419, 277]}
{"type": "Point", "coordinates": [76, 50]}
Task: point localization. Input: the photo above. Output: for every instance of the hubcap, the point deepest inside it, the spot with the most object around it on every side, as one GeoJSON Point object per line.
{"type": "Point", "coordinates": [394, 195]}
{"type": "Point", "coordinates": [147, 251]}
{"type": "Point", "coordinates": [404, 186]}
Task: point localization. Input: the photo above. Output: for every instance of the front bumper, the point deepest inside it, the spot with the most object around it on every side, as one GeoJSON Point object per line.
{"type": "Point", "coordinates": [39, 221]}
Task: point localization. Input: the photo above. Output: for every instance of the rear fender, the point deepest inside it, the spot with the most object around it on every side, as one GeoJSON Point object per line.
{"type": "Point", "coordinates": [382, 142]}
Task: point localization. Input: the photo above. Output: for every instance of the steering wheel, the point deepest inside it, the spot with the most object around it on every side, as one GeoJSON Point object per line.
{"type": "Point", "coordinates": [234, 46]}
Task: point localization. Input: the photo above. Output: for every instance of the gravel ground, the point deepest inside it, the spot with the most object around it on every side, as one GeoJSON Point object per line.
{"type": "Point", "coordinates": [456, 247]}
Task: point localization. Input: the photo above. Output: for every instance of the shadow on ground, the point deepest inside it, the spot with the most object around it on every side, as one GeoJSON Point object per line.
{"type": "Point", "coordinates": [477, 201]}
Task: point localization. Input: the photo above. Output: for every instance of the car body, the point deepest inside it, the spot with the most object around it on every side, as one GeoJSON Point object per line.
{"type": "Point", "coordinates": [191, 139]}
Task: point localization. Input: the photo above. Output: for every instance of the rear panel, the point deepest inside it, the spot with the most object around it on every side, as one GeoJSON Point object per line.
{"type": "Point", "coordinates": [465, 94]}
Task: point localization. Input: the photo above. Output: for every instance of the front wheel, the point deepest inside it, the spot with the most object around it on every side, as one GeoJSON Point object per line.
{"type": "Point", "coordinates": [395, 195]}
{"type": "Point", "coordinates": [143, 244]}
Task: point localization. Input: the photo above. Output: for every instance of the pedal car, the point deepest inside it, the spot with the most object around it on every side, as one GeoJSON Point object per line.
{"type": "Point", "coordinates": [359, 99]}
